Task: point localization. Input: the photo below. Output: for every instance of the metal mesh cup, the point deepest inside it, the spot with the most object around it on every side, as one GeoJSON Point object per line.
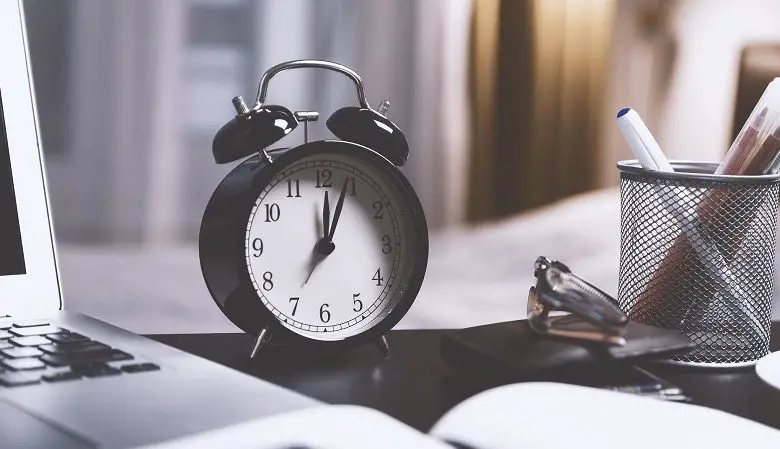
{"type": "Point", "coordinates": [697, 255]}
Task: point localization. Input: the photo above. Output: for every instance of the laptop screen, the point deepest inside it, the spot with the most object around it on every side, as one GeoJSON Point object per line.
{"type": "Point", "coordinates": [29, 283]}
{"type": "Point", "coordinates": [11, 253]}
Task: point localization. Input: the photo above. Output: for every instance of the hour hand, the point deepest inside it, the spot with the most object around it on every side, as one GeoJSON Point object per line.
{"type": "Point", "coordinates": [326, 217]}
{"type": "Point", "coordinates": [325, 244]}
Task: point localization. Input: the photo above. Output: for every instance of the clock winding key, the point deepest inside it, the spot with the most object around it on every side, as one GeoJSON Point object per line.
{"type": "Point", "coordinates": [306, 117]}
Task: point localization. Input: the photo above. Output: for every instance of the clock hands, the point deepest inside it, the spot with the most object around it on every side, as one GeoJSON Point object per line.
{"type": "Point", "coordinates": [326, 216]}
{"type": "Point", "coordinates": [325, 246]}
{"type": "Point", "coordinates": [316, 258]}
{"type": "Point", "coordinates": [337, 214]}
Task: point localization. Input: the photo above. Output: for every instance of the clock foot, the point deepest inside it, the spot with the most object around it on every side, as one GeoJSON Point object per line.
{"type": "Point", "coordinates": [383, 346]}
{"type": "Point", "coordinates": [260, 342]}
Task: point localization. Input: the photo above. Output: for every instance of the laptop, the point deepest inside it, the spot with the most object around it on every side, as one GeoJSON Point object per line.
{"type": "Point", "coordinates": [68, 380]}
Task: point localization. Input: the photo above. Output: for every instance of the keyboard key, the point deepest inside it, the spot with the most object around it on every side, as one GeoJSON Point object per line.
{"type": "Point", "coordinates": [70, 348]}
{"type": "Point", "coordinates": [117, 356]}
{"type": "Point", "coordinates": [35, 340]}
{"type": "Point", "coordinates": [67, 337]}
{"type": "Point", "coordinates": [96, 370]}
{"type": "Point", "coordinates": [4, 335]}
{"type": "Point", "coordinates": [16, 379]}
{"type": "Point", "coordinates": [5, 323]}
{"type": "Point", "coordinates": [30, 323]}
{"type": "Point", "coordinates": [5, 345]}
{"type": "Point", "coordinates": [82, 358]}
{"type": "Point", "coordinates": [56, 360]}
{"type": "Point", "coordinates": [61, 376]}
{"type": "Point", "coordinates": [38, 330]}
{"type": "Point", "coordinates": [22, 351]}
{"type": "Point", "coordinates": [139, 367]}
{"type": "Point", "coordinates": [23, 364]}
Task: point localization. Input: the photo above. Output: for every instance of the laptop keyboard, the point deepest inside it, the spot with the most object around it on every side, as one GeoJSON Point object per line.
{"type": "Point", "coordinates": [34, 352]}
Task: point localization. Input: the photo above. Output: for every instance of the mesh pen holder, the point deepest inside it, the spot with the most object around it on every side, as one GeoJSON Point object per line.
{"type": "Point", "coordinates": [697, 254]}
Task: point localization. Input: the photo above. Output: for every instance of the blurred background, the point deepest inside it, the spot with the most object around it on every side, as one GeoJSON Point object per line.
{"type": "Point", "coordinates": [508, 106]}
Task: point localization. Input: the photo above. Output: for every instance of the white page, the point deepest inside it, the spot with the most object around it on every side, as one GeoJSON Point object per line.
{"type": "Point", "coordinates": [323, 427]}
{"type": "Point", "coordinates": [549, 415]}
{"type": "Point", "coordinates": [768, 369]}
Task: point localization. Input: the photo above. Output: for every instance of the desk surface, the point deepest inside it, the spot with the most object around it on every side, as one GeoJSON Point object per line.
{"type": "Point", "coordinates": [416, 387]}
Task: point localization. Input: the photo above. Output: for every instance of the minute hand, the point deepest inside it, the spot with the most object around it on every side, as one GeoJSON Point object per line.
{"type": "Point", "coordinates": [337, 213]}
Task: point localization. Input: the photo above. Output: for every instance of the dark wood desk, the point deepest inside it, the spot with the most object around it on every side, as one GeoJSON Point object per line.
{"type": "Point", "coordinates": [416, 387]}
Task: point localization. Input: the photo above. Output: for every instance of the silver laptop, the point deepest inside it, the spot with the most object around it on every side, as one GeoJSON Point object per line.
{"type": "Point", "coordinates": [67, 380]}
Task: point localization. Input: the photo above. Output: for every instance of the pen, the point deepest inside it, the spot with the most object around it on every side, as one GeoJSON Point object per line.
{"type": "Point", "coordinates": [638, 389]}
{"type": "Point", "coordinates": [641, 141]}
{"type": "Point", "coordinates": [755, 150]}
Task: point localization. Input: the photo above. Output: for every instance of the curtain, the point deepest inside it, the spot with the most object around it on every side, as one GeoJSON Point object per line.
{"type": "Point", "coordinates": [537, 78]}
{"type": "Point", "coordinates": [147, 83]}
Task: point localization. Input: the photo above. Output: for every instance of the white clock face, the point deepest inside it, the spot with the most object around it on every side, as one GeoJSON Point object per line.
{"type": "Point", "coordinates": [329, 274]}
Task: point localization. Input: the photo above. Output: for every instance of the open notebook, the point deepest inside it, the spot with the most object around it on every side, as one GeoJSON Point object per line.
{"type": "Point", "coordinates": [528, 415]}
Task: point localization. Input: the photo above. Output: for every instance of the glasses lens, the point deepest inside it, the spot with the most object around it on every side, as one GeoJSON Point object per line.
{"type": "Point", "coordinates": [580, 297]}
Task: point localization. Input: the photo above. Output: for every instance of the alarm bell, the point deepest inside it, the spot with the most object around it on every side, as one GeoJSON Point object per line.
{"type": "Point", "coordinates": [371, 129]}
{"type": "Point", "coordinates": [251, 130]}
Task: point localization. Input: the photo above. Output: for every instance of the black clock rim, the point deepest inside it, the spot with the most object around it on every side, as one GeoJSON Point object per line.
{"type": "Point", "coordinates": [281, 161]}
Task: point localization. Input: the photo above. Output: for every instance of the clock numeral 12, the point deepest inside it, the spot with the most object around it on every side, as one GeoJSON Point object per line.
{"type": "Point", "coordinates": [290, 188]}
{"type": "Point", "coordinates": [323, 179]}
{"type": "Point", "coordinates": [378, 277]}
{"type": "Point", "coordinates": [272, 212]}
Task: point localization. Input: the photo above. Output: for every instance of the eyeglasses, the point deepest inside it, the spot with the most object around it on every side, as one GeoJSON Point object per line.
{"type": "Point", "coordinates": [593, 314]}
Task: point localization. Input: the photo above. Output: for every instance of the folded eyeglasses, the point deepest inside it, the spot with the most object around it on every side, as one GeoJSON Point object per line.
{"type": "Point", "coordinates": [593, 315]}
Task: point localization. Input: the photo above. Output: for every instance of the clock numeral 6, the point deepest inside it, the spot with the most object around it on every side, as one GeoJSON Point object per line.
{"type": "Point", "coordinates": [378, 277]}
{"type": "Point", "coordinates": [324, 313]}
{"type": "Point", "coordinates": [356, 302]}
{"type": "Point", "coordinates": [257, 245]}
{"type": "Point", "coordinates": [387, 247]}
{"type": "Point", "coordinates": [295, 307]}
{"type": "Point", "coordinates": [268, 282]}
{"type": "Point", "coordinates": [378, 208]}
{"type": "Point", "coordinates": [290, 188]}
{"type": "Point", "coordinates": [323, 179]}
{"type": "Point", "coordinates": [272, 212]}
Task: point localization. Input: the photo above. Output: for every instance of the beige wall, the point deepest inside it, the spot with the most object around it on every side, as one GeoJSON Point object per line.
{"type": "Point", "coordinates": [690, 107]}
{"type": "Point", "coordinates": [696, 122]}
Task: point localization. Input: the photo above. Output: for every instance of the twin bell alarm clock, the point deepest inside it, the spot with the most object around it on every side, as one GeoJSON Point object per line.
{"type": "Point", "coordinates": [322, 244]}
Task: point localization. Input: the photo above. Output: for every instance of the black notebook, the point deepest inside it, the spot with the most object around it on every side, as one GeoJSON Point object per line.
{"type": "Point", "coordinates": [512, 349]}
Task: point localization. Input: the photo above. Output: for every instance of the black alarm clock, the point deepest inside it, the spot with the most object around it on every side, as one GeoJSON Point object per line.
{"type": "Point", "coordinates": [323, 244]}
